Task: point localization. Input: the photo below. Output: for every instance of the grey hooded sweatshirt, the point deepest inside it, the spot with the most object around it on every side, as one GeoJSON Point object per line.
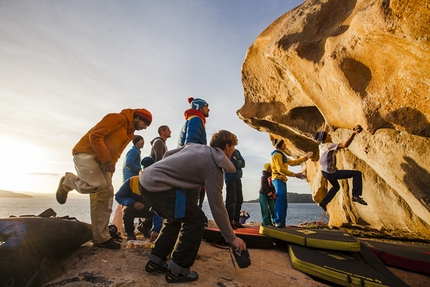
{"type": "Point", "coordinates": [192, 167]}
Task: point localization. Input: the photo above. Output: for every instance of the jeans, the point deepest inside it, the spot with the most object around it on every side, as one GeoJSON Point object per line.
{"type": "Point", "coordinates": [267, 207]}
{"type": "Point", "coordinates": [180, 235]}
{"type": "Point", "coordinates": [281, 203]}
{"type": "Point", "coordinates": [234, 199]}
{"type": "Point", "coordinates": [357, 185]}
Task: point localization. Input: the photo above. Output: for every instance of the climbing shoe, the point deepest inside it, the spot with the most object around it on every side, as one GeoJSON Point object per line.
{"type": "Point", "coordinates": [152, 267]}
{"type": "Point", "coordinates": [359, 200]}
{"type": "Point", "coordinates": [179, 278]}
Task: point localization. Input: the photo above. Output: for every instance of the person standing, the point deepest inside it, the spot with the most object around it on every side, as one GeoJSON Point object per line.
{"type": "Point", "coordinates": [95, 156]}
{"type": "Point", "coordinates": [165, 185]}
{"type": "Point", "coordinates": [194, 131]}
{"type": "Point", "coordinates": [159, 147]}
{"type": "Point", "coordinates": [234, 194]}
{"type": "Point", "coordinates": [279, 165]}
{"type": "Point", "coordinates": [267, 197]}
{"type": "Point", "coordinates": [131, 166]}
{"type": "Point", "coordinates": [327, 150]}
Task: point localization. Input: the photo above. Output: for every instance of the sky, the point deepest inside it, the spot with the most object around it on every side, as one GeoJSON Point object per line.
{"type": "Point", "coordinates": [64, 65]}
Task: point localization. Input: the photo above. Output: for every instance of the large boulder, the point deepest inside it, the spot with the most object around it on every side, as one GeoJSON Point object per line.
{"type": "Point", "coordinates": [349, 62]}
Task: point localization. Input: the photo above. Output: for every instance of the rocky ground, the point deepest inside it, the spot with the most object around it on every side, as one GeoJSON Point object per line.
{"type": "Point", "coordinates": [88, 266]}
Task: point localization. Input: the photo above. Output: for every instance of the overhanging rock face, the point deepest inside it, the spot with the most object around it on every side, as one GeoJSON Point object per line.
{"type": "Point", "coordinates": [349, 62]}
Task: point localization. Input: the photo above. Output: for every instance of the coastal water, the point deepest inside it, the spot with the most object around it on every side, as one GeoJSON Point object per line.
{"type": "Point", "coordinates": [79, 208]}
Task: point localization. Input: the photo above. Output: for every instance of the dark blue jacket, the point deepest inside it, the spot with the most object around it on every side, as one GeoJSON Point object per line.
{"type": "Point", "coordinates": [131, 165]}
{"type": "Point", "coordinates": [129, 193]}
{"type": "Point", "coordinates": [239, 163]}
{"type": "Point", "coordinates": [194, 130]}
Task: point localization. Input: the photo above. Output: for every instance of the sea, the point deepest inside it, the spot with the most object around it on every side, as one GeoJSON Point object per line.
{"type": "Point", "coordinates": [79, 208]}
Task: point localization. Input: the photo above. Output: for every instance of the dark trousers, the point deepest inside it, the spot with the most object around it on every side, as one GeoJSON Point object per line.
{"type": "Point", "coordinates": [180, 235]}
{"type": "Point", "coordinates": [202, 193]}
{"type": "Point", "coordinates": [130, 213]}
{"type": "Point", "coordinates": [234, 198]}
{"type": "Point", "coordinates": [333, 178]}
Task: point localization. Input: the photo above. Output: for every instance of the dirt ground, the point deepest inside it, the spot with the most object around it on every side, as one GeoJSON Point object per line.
{"type": "Point", "coordinates": [88, 266]}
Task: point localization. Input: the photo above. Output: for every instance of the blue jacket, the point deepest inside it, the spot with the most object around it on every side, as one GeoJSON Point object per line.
{"type": "Point", "coordinates": [239, 163]}
{"type": "Point", "coordinates": [194, 130]}
{"type": "Point", "coordinates": [131, 165]}
{"type": "Point", "coordinates": [129, 193]}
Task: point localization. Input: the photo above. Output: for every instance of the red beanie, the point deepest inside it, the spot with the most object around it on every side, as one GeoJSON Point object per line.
{"type": "Point", "coordinates": [144, 115]}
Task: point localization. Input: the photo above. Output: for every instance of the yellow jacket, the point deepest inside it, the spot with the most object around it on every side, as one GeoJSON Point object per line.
{"type": "Point", "coordinates": [279, 165]}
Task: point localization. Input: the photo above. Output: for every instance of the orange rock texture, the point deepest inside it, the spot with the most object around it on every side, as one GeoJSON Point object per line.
{"type": "Point", "coordinates": [349, 62]}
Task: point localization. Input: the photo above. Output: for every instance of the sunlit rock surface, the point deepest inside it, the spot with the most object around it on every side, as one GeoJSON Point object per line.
{"type": "Point", "coordinates": [352, 62]}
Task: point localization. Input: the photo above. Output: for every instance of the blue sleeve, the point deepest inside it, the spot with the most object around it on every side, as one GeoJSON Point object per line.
{"type": "Point", "coordinates": [196, 132]}
{"type": "Point", "coordinates": [123, 195]}
{"type": "Point", "coordinates": [182, 136]}
{"type": "Point", "coordinates": [132, 160]}
{"type": "Point", "coordinates": [157, 222]}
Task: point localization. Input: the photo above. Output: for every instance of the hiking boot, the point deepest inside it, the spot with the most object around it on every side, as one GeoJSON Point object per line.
{"type": "Point", "coordinates": [179, 278]}
{"type": "Point", "coordinates": [359, 200]}
{"type": "Point", "coordinates": [61, 192]}
{"type": "Point", "coordinates": [152, 267]}
{"type": "Point", "coordinates": [131, 236]}
{"type": "Point", "coordinates": [323, 206]}
{"type": "Point", "coordinates": [110, 244]}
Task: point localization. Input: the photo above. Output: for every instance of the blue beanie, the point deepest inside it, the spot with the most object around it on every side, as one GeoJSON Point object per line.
{"type": "Point", "coordinates": [197, 103]}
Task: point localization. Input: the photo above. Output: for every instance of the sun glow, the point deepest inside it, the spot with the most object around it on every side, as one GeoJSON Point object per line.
{"type": "Point", "coordinates": [27, 167]}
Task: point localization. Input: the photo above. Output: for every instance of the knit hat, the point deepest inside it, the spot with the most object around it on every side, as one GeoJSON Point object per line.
{"type": "Point", "coordinates": [197, 103]}
{"type": "Point", "coordinates": [147, 161]}
{"type": "Point", "coordinates": [136, 139]}
{"type": "Point", "coordinates": [277, 143]}
{"type": "Point", "coordinates": [266, 166]}
{"type": "Point", "coordinates": [144, 115]}
{"type": "Point", "coordinates": [320, 136]}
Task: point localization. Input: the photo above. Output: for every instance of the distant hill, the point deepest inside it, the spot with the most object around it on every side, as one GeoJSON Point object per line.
{"type": "Point", "coordinates": [10, 194]}
{"type": "Point", "coordinates": [292, 198]}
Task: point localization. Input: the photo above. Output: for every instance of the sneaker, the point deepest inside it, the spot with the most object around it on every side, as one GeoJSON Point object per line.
{"type": "Point", "coordinates": [110, 244]}
{"type": "Point", "coordinates": [152, 267]}
{"type": "Point", "coordinates": [323, 206]}
{"type": "Point", "coordinates": [359, 200]}
{"type": "Point", "coordinates": [179, 278]}
{"type": "Point", "coordinates": [131, 236]}
{"type": "Point", "coordinates": [61, 192]}
{"type": "Point", "coordinates": [278, 225]}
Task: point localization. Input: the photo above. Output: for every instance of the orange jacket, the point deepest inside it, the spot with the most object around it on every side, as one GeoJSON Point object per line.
{"type": "Point", "coordinates": [109, 137]}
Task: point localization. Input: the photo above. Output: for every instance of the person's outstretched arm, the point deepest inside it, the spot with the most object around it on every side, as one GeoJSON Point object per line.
{"type": "Point", "coordinates": [346, 144]}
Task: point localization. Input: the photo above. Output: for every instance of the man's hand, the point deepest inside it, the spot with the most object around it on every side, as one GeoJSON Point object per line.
{"type": "Point", "coordinates": [138, 205]}
{"type": "Point", "coordinates": [239, 244]}
{"type": "Point", "coordinates": [300, 175]}
{"type": "Point", "coordinates": [309, 154]}
{"type": "Point", "coordinates": [109, 167]}
{"type": "Point", "coordinates": [357, 129]}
